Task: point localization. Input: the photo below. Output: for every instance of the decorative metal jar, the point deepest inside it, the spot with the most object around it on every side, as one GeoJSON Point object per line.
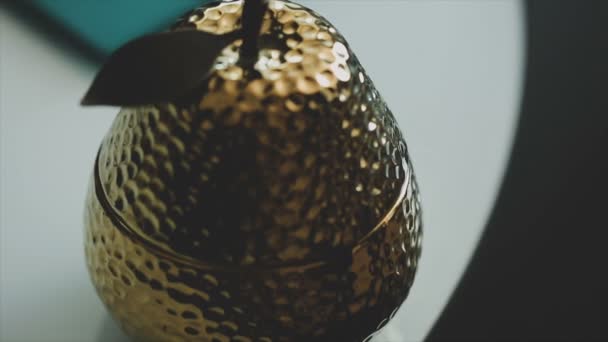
{"type": "Point", "coordinates": [274, 202]}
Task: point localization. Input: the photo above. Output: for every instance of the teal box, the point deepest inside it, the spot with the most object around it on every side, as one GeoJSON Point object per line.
{"type": "Point", "coordinates": [108, 24]}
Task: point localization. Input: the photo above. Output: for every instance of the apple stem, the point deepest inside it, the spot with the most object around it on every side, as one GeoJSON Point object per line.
{"type": "Point", "coordinates": [253, 16]}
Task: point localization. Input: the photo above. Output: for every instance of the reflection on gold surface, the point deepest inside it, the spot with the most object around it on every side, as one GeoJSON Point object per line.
{"type": "Point", "coordinates": [275, 204]}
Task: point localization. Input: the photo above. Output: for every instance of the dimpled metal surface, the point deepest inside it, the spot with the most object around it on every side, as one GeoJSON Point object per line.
{"type": "Point", "coordinates": [275, 203]}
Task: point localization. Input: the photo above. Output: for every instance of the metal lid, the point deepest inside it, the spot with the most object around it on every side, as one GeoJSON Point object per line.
{"type": "Point", "coordinates": [286, 164]}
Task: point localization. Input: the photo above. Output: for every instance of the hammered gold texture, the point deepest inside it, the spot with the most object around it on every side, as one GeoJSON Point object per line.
{"type": "Point", "coordinates": [275, 203]}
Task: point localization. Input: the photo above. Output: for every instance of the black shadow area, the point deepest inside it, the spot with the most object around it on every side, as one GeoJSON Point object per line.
{"type": "Point", "coordinates": [540, 271]}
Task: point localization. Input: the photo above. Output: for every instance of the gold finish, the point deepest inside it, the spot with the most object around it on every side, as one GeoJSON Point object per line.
{"type": "Point", "coordinates": [274, 204]}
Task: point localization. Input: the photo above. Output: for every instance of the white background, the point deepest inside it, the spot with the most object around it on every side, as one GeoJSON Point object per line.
{"type": "Point", "coordinates": [450, 71]}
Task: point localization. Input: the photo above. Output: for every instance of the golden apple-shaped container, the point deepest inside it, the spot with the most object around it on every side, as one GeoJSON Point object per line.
{"type": "Point", "coordinates": [275, 203]}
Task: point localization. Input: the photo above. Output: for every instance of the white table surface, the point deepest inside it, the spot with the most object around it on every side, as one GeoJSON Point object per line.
{"type": "Point", "coordinates": [450, 70]}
